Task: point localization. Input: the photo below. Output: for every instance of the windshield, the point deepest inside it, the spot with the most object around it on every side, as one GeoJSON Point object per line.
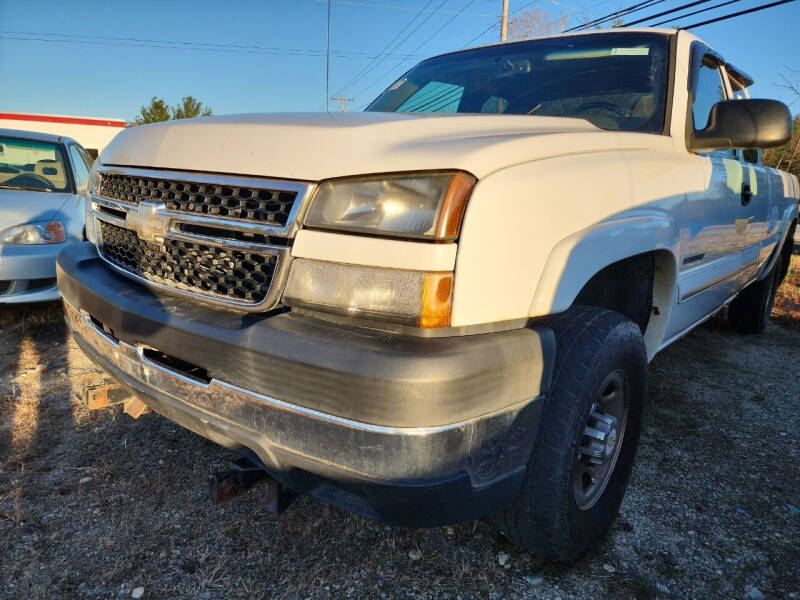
{"type": "Point", "coordinates": [31, 165]}
{"type": "Point", "coordinates": [616, 81]}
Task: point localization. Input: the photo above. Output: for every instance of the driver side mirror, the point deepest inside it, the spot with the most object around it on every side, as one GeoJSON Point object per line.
{"type": "Point", "coordinates": [744, 124]}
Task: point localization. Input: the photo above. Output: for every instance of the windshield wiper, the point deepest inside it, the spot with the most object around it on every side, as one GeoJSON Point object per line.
{"type": "Point", "coordinates": [534, 109]}
{"type": "Point", "coordinates": [26, 189]}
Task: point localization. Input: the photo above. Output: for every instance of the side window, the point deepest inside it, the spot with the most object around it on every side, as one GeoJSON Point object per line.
{"type": "Point", "coordinates": [79, 167]}
{"type": "Point", "coordinates": [707, 93]}
{"type": "Point", "coordinates": [709, 90]}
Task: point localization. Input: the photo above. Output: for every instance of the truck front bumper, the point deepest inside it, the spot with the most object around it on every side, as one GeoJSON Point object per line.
{"type": "Point", "coordinates": [411, 431]}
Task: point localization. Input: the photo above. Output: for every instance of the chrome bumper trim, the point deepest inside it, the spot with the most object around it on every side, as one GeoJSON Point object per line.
{"type": "Point", "coordinates": [235, 417]}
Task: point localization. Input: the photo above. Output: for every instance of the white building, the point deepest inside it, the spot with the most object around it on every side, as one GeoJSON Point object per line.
{"type": "Point", "coordinates": [93, 133]}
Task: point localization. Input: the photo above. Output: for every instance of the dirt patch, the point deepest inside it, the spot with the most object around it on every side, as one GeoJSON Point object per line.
{"type": "Point", "coordinates": [787, 300]}
{"type": "Point", "coordinates": [97, 504]}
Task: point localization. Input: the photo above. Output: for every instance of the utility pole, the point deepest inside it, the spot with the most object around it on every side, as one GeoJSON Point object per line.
{"type": "Point", "coordinates": [504, 22]}
{"type": "Point", "coordinates": [342, 100]}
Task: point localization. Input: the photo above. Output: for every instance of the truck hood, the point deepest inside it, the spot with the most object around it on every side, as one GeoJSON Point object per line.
{"type": "Point", "coordinates": [24, 206]}
{"type": "Point", "coordinates": [315, 146]}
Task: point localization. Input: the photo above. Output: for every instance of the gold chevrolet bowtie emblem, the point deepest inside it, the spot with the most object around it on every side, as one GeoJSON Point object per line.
{"type": "Point", "coordinates": [150, 221]}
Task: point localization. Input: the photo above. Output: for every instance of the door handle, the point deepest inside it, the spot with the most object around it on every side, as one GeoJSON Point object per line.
{"type": "Point", "coordinates": [747, 194]}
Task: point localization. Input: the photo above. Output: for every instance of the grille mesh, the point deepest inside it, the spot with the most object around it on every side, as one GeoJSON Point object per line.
{"type": "Point", "coordinates": [260, 205]}
{"type": "Point", "coordinates": [217, 272]}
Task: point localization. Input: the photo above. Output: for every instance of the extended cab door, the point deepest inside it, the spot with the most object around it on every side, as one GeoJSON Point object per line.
{"type": "Point", "coordinates": [714, 221]}
{"type": "Point", "coordinates": [758, 190]}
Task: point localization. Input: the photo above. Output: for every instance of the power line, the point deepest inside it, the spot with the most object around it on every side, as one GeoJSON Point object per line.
{"type": "Point", "coordinates": [738, 14]}
{"type": "Point", "coordinates": [407, 8]}
{"type": "Point", "coordinates": [366, 67]}
{"type": "Point", "coordinates": [400, 43]}
{"type": "Point", "coordinates": [497, 22]}
{"type": "Point", "coordinates": [615, 15]}
{"type": "Point", "coordinates": [696, 12]}
{"type": "Point", "coordinates": [179, 45]}
{"type": "Point", "coordinates": [417, 49]}
{"type": "Point", "coordinates": [667, 12]}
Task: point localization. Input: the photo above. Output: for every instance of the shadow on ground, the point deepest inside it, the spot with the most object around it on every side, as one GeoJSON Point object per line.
{"type": "Point", "coordinates": [97, 504]}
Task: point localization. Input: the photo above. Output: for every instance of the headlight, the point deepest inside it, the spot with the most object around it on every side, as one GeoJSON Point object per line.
{"type": "Point", "coordinates": [42, 232]}
{"type": "Point", "coordinates": [418, 205]}
{"type": "Point", "coordinates": [410, 297]}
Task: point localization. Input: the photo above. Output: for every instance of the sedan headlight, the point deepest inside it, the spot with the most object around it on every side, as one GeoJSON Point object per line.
{"type": "Point", "coordinates": [42, 232]}
{"type": "Point", "coordinates": [416, 205]}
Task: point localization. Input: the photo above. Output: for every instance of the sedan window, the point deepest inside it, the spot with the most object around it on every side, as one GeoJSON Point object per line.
{"type": "Point", "coordinates": [32, 165]}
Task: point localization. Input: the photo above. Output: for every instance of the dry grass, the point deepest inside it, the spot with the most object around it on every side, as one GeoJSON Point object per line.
{"type": "Point", "coordinates": [787, 300]}
{"type": "Point", "coordinates": [96, 504]}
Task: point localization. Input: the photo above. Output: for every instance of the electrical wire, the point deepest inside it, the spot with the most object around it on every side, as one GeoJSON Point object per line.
{"type": "Point", "coordinates": [497, 22]}
{"type": "Point", "coordinates": [417, 49]}
{"type": "Point", "coordinates": [667, 12]}
{"type": "Point", "coordinates": [358, 76]}
{"type": "Point", "coordinates": [179, 45]}
{"type": "Point", "coordinates": [400, 43]}
{"type": "Point", "coordinates": [737, 14]}
{"type": "Point", "coordinates": [407, 8]}
{"type": "Point", "coordinates": [615, 15]}
{"type": "Point", "coordinates": [696, 12]}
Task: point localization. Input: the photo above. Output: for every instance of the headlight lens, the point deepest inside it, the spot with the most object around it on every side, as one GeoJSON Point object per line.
{"type": "Point", "coordinates": [411, 297]}
{"type": "Point", "coordinates": [42, 232]}
{"type": "Point", "coordinates": [418, 205]}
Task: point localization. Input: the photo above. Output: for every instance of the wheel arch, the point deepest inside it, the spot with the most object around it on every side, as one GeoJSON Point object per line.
{"type": "Point", "coordinates": [582, 256]}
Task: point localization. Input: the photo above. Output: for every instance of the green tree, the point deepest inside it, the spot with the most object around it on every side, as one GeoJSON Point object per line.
{"type": "Point", "coordinates": [154, 112]}
{"type": "Point", "coordinates": [158, 110]}
{"type": "Point", "coordinates": [189, 108]}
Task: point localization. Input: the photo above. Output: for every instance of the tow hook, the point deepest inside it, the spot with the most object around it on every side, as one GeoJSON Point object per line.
{"type": "Point", "coordinates": [108, 394]}
{"type": "Point", "coordinates": [240, 477]}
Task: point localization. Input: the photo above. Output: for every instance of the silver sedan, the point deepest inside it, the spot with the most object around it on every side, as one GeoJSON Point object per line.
{"type": "Point", "coordinates": [42, 178]}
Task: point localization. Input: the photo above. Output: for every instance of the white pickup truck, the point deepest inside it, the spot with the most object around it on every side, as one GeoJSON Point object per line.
{"type": "Point", "coordinates": [441, 308]}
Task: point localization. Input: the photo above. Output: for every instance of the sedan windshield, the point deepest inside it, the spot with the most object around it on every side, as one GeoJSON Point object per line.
{"type": "Point", "coordinates": [31, 165]}
{"type": "Point", "coordinates": [616, 81]}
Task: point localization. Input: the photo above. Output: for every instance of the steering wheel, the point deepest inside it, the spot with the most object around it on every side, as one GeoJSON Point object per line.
{"type": "Point", "coordinates": [612, 108]}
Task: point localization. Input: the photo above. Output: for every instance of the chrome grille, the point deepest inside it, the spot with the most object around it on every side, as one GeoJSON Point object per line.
{"type": "Point", "coordinates": [245, 202]}
{"type": "Point", "coordinates": [211, 270]}
{"type": "Point", "coordinates": [202, 249]}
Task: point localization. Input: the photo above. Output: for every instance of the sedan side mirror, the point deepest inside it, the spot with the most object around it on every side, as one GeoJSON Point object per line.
{"type": "Point", "coordinates": [744, 124]}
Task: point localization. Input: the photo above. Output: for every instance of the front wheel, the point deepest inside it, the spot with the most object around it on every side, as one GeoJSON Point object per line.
{"type": "Point", "coordinates": [587, 438]}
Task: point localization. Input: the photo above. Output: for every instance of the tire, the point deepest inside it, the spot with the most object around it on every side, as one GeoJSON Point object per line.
{"type": "Point", "coordinates": [750, 310]}
{"type": "Point", "coordinates": [592, 344]}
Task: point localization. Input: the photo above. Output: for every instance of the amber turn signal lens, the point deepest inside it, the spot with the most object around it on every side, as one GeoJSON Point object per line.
{"type": "Point", "coordinates": [437, 300]}
{"type": "Point", "coordinates": [57, 232]}
{"type": "Point", "coordinates": [455, 201]}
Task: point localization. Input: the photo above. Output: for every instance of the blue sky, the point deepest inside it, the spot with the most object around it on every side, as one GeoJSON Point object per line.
{"type": "Point", "coordinates": [269, 55]}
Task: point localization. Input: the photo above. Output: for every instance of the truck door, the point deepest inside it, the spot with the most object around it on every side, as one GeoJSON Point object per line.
{"type": "Point", "coordinates": [714, 222]}
{"type": "Point", "coordinates": [758, 190]}
{"type": "Point", "coordinates": [760, 240]}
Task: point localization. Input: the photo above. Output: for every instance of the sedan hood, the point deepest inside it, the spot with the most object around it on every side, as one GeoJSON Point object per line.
{"type": "Point", "coordinates": [24, 206]}
{"type": "Point", "coordinates": [317, 146]}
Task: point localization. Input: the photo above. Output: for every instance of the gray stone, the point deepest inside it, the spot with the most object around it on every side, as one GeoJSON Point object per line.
{"type": "Point", "coordinates": [753, 593]}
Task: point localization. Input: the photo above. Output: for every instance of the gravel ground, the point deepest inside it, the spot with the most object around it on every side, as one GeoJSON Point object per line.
{"type": "Point", "coordinates": [99, 505]}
